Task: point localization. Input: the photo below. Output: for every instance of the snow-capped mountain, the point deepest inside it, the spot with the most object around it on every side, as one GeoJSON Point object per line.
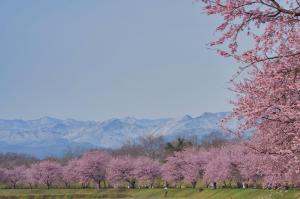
{"type": "Point", "coordinates": [51, 136]}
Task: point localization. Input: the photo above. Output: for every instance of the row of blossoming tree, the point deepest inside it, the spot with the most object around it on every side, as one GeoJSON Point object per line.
{"type": "Point", "coordinates": [231, 165]}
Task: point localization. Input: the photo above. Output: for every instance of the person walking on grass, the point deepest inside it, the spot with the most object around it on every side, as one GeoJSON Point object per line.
{"type": "Point", "coordinates": [166, 191]}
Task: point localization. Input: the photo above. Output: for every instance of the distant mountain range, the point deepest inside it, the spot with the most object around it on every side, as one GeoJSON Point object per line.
{"type": "Point", "coordinates": [50, 136]}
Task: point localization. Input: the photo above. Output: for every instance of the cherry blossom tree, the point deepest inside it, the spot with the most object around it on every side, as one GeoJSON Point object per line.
{"type": "Point", "coordinates": [293, 178]}
{"type": "Point", "coordinates": [30, 179]}
{"type": "Point", "coordinates": [15, 175]}
{"type": "Point", "coordinates": [47, 172]}
{"type": "Point", "coordinates": [92, 166]}
{"type": "Point", "coordinates": [269, 97]}
{"type": "Point", "coordinates": [223, 166]}
{"type": "Point", "coordinates": [172, 169]}
{"type": "Point", "coordinates": [194, 165]}
{"type": "Point", "coordinates": [277, 173]}
{"type": "Point", "coordinates": [70, 173]}
{"type": "Point", "coordinates": [122, 169]}
{"type": "Point", "coordinates": [251, 165]}
{"type": "Point", "coordinates": [147, 171]}
{"type": "Point", "coordinates": [2, 175]}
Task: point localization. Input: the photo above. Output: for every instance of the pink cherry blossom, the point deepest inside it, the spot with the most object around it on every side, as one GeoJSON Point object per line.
{"type": "Point", "coordinates": [92, 167]}
{"type": "Point", "coordinates": [15, 175]}
{"type": "Point", "coordinates": [194, 165]}
{"type": "Point", "coordinates": [70, 173]}
{"type": "Point", "coordinates": [147, 171]}
{"type": "Point", "coordinates": [122, 169]}
{"type": "Point", "coordinates": [172, 170]}
{"type": "Point", "coordinates": [268, 101]}
{"type": "Point", "coordinates": [47, 173]}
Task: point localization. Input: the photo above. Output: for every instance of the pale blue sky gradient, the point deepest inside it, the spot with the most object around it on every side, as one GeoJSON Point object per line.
{"type": "Point", "coordinates": [98, 59]}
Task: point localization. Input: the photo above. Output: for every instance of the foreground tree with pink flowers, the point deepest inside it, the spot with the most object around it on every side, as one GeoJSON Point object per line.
{"type": "Point", "coordinates": [269, 97]}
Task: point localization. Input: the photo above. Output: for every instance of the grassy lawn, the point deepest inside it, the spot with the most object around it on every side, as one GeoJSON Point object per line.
{"type": "Point", "coordinates": [148, 193]}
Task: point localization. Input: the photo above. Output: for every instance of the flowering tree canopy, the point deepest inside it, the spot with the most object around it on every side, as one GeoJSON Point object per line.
{"type": "Point", "coordinates": [223, 166]}
{"type": "Point", "coordinates": [92, 166]}
{"type": "Point", "coordinates": [172, 170]}
{"type": "Point", "coordinates": [193, 166]}
{"type": "Point", "coordinates": [269, 97]}
{"type": "Point", "coordinates": [70, 173]}
{"type": "Point", "coordinates": [122, 169]}
{"type": "Point", "coordinates": [47, 172]}
{"type": "Point", "coordinates": [147, 170]}
{"type": "Point", "coordinates": [2, 175]}
{"type": "Point", "coordinates": [15, 175]}
{"type": "Point", "coordinates": [30, 179]}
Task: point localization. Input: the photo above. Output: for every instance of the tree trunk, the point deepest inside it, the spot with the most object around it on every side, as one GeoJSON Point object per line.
{"type": "Point", "coordinates": [215, 185]}
{"type": "Point", "coordinates": [151, 185]}
{"type": "Point", "coordinates": [133, 184]}
{"type": "Point", "coordinates": [254, 185]}
{"type": "Point", "coordinates": [207, 184]}
{"type": "Point", "coordinates": [67, 185]}
{"type": "Point", "coordinates": [194, 185]}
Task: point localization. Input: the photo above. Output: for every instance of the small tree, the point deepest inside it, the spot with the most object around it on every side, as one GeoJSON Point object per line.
{"type": "Point", "coordinates": [70, 173]}
{"type": "Point", "coordinates": [147, 171]}
{"type": "Point", "coordinates": [30, 179]}
{"type": "Point", "coordinates": [2, 175]}
{"type": "Point", "coordinates": [193, 166]}
{"type": "Point", "coordinates": [122, 169]}
{"type": "Point", "coordinates": [223, 166]}
{"type": "Point", "coordinates": [92, 166]}
{"type": "Point", "coordinates": [15, 175]}
{"type": "Point", "coordinates": [172, 170]}
{"type": "Point", "coordinates": [47, 172]}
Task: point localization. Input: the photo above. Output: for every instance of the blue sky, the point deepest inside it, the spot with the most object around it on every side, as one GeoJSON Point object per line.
{"type": "Point", "coordinates": [98, 59]}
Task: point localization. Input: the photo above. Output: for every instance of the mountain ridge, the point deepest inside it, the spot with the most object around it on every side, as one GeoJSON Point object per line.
{"type": "Point", "coordinates": [51, 136]}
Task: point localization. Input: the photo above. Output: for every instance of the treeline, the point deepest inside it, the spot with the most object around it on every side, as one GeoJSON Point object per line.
{"type": "Point", "coordinates": [8, 160]}
{"type": "Point", "coordinates": [230, 164]}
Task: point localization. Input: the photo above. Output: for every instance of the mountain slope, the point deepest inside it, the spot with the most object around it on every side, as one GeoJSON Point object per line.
{"type": "Point", "coordinates": [51, 136]}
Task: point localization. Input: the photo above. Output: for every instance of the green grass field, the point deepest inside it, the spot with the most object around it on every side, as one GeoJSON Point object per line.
{"type": "Point", "coordinates": [148, 193]}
